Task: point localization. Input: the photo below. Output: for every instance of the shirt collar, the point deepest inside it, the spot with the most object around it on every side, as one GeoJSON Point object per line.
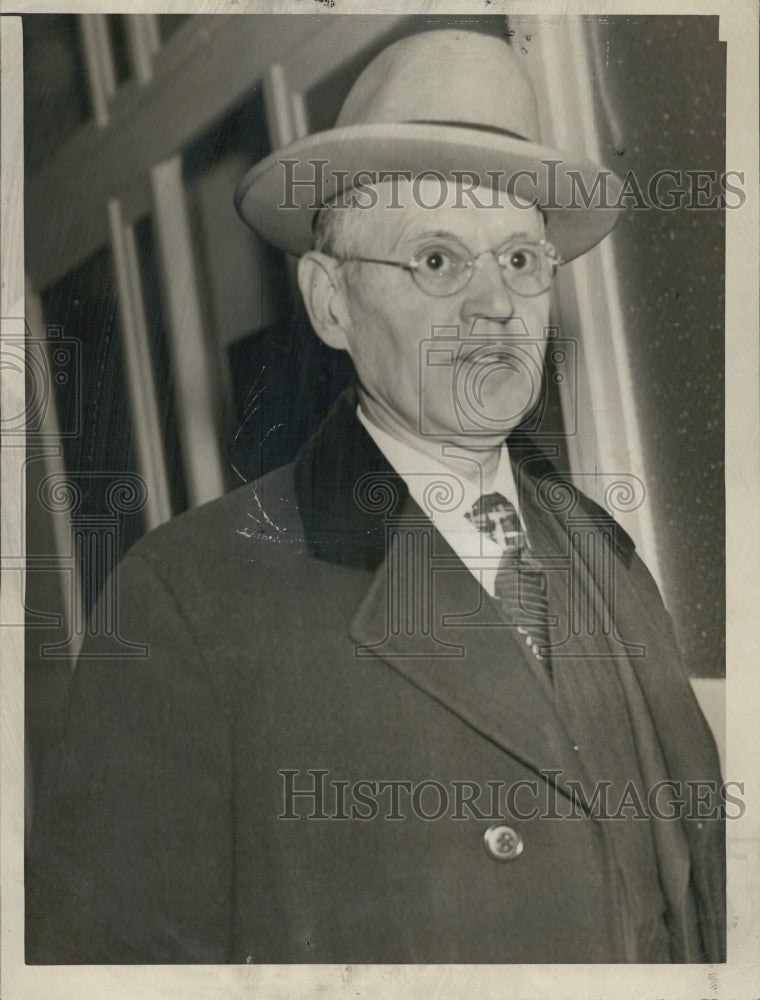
{"type": "Point", "coordinates": [421, 471]}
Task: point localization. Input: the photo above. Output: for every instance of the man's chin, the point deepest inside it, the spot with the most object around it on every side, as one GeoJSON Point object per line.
{"type": "Point", "coordinates": [488, 416]}
{"type": "Point", "coordinates": [471, 437]}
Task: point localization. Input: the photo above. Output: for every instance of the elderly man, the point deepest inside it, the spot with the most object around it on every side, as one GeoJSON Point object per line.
{"type": "Point", "coordinates": [398, 704]}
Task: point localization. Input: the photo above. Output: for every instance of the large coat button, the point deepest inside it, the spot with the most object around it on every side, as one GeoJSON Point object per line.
{"type": "Point", "coordinates": [503, 843]}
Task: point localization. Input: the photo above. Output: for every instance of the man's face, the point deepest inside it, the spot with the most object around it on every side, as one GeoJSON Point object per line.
{"type": "Point", "coordinates": [463, 368]}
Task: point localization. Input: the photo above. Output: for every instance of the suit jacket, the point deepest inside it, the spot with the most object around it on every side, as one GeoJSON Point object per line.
{"type": "Point", "coordinates": [168, 827]}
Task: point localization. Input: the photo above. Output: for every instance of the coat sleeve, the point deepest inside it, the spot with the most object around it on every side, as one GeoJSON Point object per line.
{"type": "Point", "coordinates": [133, 798]}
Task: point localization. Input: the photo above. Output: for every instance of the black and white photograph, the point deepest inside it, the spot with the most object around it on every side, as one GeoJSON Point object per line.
{"type": "Point", "coordinates": [379, 496]}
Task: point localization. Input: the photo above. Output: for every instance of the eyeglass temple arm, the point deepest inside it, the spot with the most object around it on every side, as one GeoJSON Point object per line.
{"type": "Point", "coordinates": [406, 265]}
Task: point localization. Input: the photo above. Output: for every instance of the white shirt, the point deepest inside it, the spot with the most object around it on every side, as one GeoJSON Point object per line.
{"type": "Point", "coordinates": [446, 497]}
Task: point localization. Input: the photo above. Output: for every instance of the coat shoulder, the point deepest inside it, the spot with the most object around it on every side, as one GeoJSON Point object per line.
{"type": "Point", "coordinates": [261, 513]}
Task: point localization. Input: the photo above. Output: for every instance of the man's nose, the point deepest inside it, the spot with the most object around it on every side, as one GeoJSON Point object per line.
{"type": "Point", "coordinates": [486, 296]}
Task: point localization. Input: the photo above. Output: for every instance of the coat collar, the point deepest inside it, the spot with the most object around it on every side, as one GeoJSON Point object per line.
{"type": "Point", "coordinates": [347, 490]}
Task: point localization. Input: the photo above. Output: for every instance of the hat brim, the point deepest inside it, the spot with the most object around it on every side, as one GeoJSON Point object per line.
{"type": "Point", "coordinates": [279, 196]}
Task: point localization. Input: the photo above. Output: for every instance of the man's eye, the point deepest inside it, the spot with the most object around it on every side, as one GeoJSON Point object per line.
{"type": "Point", "coordinates": [521, 259]}
{"type": "Point", "coordinates": [437, 260]}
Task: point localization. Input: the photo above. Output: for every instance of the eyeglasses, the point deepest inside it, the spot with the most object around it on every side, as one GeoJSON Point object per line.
{"type": "Point", "coordinates": [444, 267]}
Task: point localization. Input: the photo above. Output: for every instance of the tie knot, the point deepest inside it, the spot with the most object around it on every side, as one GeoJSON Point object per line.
{"type": "Point", "coordinates": [496, 517]}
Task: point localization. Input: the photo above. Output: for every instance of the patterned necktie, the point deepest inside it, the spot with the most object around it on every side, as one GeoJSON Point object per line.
{"type": "Point", "coordinates": [520, 588]}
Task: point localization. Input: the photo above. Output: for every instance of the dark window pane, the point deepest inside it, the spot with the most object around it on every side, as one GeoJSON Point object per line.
{"type": "Point", "coordinates": [56, 101]}
{"type": "Point", "coordinates": [168, 24]}
{"type": "Point", "coordinates": [83, 305]}
{"type": "Point", "coordinates": [117, 33]}
{"type": "Point", "coordinates": [243, 131]}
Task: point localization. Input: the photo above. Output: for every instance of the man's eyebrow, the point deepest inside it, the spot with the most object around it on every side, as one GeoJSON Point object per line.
{"type": "Point", "coordinates": [436, 234]}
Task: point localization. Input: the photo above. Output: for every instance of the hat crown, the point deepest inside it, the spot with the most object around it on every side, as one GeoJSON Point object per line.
{"type": "Point", "coordinates": [456, 103]}
{"type": "Point", "coordinates": [447, 76]}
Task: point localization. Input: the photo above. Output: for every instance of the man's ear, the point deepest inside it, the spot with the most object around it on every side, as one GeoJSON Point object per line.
{"type": "Point", "coordinates": [323, 297]}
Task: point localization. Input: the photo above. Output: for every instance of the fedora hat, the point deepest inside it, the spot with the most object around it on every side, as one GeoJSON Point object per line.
{"type": "Point", "coordinates": [448, 103]}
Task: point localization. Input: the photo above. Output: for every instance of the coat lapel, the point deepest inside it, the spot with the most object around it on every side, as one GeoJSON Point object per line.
{"type": "Point", "coordinates": [478, 671]}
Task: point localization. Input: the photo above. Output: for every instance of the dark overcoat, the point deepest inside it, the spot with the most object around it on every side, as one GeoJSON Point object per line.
{"type": "Point", "coordinates": [274, 661]}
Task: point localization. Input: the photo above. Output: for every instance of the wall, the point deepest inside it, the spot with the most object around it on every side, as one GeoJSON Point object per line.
{"type": "Point", "coordinates": [665, 84]}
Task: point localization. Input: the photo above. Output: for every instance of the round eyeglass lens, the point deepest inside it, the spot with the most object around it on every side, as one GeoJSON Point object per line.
{"type": "Point", "coordinates": [441, 269]}
{"type": "Point", "coordinates": [525, 268]}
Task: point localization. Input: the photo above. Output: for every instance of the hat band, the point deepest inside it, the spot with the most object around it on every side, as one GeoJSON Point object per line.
{"type": "Point", "coordinates": [469, 125]}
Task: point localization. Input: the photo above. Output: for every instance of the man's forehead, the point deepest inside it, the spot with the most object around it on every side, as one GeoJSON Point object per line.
{"type": "Point", "coordinates": [496, 231]}
{"type": "Point", "coordinates": [435, 208]}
